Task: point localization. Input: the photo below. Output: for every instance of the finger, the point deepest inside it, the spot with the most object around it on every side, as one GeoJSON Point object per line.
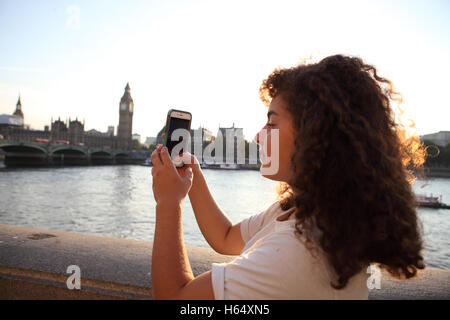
{"type": "Point", "coordinates": [167, 161]}
{"type": "Point", "coordinates": [187, 158]}
{"type": "Point", "coordinates": [179, 160]}
{"type": "Point", "coordinates": [165, 156]}
{"type": "Point", "coordinates": [187, 178]}
{"type": "Point", "coordinates": [182, 170]}
{"type": "Point", "coordinates": [188, 173]}
{"type": "Point", "coordinates": [156, 159]}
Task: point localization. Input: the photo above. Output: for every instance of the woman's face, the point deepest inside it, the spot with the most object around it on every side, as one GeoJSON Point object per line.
{"type": "Point", "coordinates": [276, 142]}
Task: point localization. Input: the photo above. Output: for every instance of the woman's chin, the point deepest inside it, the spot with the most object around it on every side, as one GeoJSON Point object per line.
{"type": "Point", "coordinates": [268, 171]}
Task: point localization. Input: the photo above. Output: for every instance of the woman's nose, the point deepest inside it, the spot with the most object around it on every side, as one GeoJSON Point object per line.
{"type": "Point", "coordinates": [261, 136]}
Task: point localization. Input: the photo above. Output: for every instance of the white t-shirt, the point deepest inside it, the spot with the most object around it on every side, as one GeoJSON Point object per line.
{"type": "Point", "coordinates": [275, 264]}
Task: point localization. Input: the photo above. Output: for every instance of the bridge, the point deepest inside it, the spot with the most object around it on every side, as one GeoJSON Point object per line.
{"type": "Point", "coordinates": [48, 154]}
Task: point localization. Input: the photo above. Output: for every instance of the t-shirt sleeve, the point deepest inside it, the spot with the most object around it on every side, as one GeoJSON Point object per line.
{"type": "Point", "coordinates": [251, 225]}
{"type": "Point", "coordinates": [274, 270]}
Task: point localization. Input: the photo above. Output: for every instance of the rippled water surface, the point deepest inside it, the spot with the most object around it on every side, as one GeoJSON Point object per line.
{"type": "Point", "coordinates": [117, 201]}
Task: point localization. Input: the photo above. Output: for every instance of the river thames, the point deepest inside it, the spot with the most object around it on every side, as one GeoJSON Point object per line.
{"type": "Point", "coordinates": [117, 201]}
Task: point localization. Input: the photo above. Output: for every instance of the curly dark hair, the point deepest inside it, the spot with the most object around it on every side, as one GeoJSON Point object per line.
{"type": "Point", "coordinates": [352, 166]}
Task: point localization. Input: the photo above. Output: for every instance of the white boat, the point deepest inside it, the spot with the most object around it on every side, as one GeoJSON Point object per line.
{"type": "Point", "coordinates": [147, 163]}
{"type": "Point", "coordinates": [231, 166]}
{"type": "Point", "coordinates": [220, 166]}
{"type": "Point", "coordinates": [431, 202]}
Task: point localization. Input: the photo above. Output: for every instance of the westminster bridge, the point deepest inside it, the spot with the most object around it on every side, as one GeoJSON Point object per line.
{"type": "Point", "coordinates": [18, 154]}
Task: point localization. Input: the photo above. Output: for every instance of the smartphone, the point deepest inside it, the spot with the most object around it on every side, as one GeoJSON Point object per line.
{"type": "Point", "coordinates": [177, 119]}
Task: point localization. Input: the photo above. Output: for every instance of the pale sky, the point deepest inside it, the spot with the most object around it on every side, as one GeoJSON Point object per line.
{"type": "Point", "coordinates": [74, 58]}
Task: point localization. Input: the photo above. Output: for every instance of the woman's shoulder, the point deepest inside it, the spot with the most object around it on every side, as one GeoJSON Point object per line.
{"type": "Point", "coordinates": [273, 206]}
{"type": "Point", "coordinates": [275, 210]}
{"type": "Point", "coordinates": [286, 242]}
{"type": "Point", "coordinates": [267, 215]}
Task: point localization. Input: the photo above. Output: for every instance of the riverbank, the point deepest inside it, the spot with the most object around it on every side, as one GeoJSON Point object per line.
{"type": "Point", "coordinates": [34, 263]}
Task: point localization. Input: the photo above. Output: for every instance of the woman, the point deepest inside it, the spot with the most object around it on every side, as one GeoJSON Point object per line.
{"type": "Point", "coordinates": [345, 199]}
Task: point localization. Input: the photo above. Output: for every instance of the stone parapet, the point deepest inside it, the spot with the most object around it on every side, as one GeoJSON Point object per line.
{"type": "Point", "coordinates": [34, 264]}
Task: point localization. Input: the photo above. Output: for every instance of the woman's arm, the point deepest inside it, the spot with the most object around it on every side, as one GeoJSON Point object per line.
{"type": "Point", "coordinates": [172, 276]}
{"type": "Point", "coordinates": [218, 230]}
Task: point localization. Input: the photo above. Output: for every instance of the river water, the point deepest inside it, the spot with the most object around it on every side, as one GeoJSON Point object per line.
{"type": "Point", "coordinates": [117, 201]}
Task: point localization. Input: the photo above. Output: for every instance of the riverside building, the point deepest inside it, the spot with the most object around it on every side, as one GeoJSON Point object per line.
{"type": "Point", "coordinates": [72, 132]}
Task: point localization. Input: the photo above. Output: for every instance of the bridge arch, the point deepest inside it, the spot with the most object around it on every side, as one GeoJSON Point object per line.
{"type": "Point", "coordinates": [101, 157]}
{"type": "Point", "coordinates": [122, 157]}
{"type": "Point", "coordinates": [16, 147]}
{"type": "Point", "coordinates": [69, 155]}
{"type": "Point", "coordinates": [24, 154]}
{"type": "Point", "coordinates": [76, 149]}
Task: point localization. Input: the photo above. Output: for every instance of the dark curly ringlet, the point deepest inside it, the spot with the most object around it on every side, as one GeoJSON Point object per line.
{"type": "Point", "coordinates": [352, 166]}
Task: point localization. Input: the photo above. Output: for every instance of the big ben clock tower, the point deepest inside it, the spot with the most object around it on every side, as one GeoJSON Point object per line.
{"type": "Point", "coordinates": [126, 110]}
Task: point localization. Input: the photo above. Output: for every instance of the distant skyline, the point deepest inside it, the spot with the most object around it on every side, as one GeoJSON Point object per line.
{"type": "Point", "coordinates": [74, 58]}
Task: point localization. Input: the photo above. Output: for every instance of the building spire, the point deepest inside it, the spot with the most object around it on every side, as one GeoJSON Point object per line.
{"type": "Point", "coordinates": [18, 112]}
{"type": "Point", "coordinates": [126, 98]}
{"type": "Point", "coordinates": [19, 104]}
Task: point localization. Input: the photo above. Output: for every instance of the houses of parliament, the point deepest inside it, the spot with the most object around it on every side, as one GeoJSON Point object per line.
{"type": "Point", "coordinates": [72, 132]}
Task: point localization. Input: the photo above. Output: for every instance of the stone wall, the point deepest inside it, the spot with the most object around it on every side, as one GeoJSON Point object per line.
{"type": "Point", "coordinates": [34, 263]}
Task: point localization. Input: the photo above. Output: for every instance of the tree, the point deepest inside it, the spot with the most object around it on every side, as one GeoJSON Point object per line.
{"type": "Point", "coordinates": [137, 145]}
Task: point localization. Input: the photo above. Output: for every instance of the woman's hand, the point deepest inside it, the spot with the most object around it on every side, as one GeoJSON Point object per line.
{"type": "Point", "coordinates": [189, 160]}
{"type": "Point", "coordinates": [170, 184]}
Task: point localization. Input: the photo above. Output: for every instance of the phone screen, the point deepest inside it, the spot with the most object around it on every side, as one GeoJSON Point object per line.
{"type": "Point", "coordinates": [176, 123]}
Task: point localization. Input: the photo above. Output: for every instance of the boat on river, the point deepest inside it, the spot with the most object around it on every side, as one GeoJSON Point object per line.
{"type": "Point", "coordinates": [431, 202]}
{"type": "Point", "coordinates": [220, 166]}
{"type": "Point", "coordinates": [147, 163]}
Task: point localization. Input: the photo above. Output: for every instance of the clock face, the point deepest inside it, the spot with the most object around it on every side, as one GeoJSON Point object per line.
{"type": "Point", "coordinates": [123, 106]}
{"type": "Point", "coordinates": [131, 108]}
